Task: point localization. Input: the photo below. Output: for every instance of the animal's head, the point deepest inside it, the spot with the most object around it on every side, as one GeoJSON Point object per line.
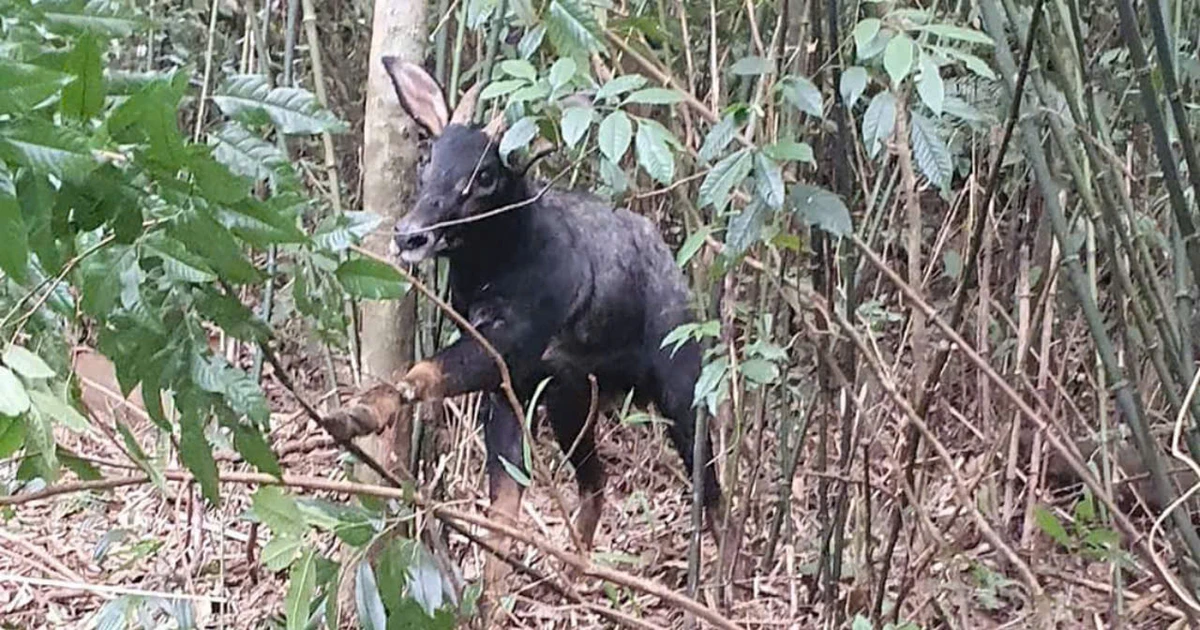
{"type": "Point", "coordinates": [464, 175]}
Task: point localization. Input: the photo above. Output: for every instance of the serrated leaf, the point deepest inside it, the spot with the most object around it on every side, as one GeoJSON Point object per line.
{"type": "Point", "coordinates": [301, 583]}
{"type": "Point", "coordinates": [500, 88]}
{"type": "Point", "coordinates": [14, 401]}
{"type": "Point", "coordinates": [878, 122]}
{"type": "Point", "coordinates": [790, 151]}
{"type": "Point", "coordinates": [898, 58]}
{"type": "Point", "coordinates": [864, 32]}
{"type": "Point", "coordinates": [178, 262]}
{"type": "Point", "coordinates": [718, 137]}
{"type": "Point", "coordinates": [745, 228]}
{"type": "Point", "coordinates": [245, 396]}
{"type": "Point", "coordinates": [83, 97]}
{"type": "Point", "coordinates": [768, 181]}
{"type": "Point", "coordinates": [653, 153]}
{"type": "Point", "coordinates": [803, 95]}
{"type": "Point", "coordinates": [26, 363]}
{"type": "Point", "coordinates": [371, 280]}
{"type": "Point", "coordinates": [616, 132]}
{"type": "Point", "coordinates": [930, 87]}
{"type": "Point", "coordinates": [723, 178]}
{"type": "Point", "coordinates": [196, 452]}
{"type": "Point", "coordinates": [46, 148]}
{"type": "Point", "coordinates": [949, 31]}
{"type": "Point", "coordinates": [1050, 525]}
{"type": "Point", "coordinates": [205, 237]}
{"type": "Point", "coordinates": [854, 83]}
{"type": "Point", "coordinates": [519, 68]}
{"type": "Point", "coordinates": [572, 28]}
{"type": "Point", "coordinates": [821, 208]}
{"type": "Point", "coordinates": [247, 154]}
{"type": "Point", "coordinates": [562, 72]}
{"type": "Point", "coordinates": [371, 615]}
{"type": "Point", "coordinates": [25, 86]}
{"type": "Point", "coordinates": [759, 371]}
{"type": "Point", "coordinates": [932, 154]}
{"type": "Point", "coordinates": [293, 110]}
{"type": "Point", "coordinates": [752, 65]}
{"type": "Point", "coordinates": [261, 223]}
{"type": "Point", "coordinates": [518, 136]}
{"type": "Point", "coordinates": [654, 96]}
{"type": "Point", "coordinates": [575, 123]}
{"type": "Point", "coordinates": [620, 85]}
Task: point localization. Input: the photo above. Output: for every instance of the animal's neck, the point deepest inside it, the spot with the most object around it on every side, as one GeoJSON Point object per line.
{"type": "Point", "coordinates": [491, 242]}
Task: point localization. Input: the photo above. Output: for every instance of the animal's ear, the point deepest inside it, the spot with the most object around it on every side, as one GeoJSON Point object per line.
{"type": "Point", "coordinates": [465, 110]}
{"type": "Point", "coordinates": [496, 127]}
{"type": "Point", "coordinates": [419, 94]}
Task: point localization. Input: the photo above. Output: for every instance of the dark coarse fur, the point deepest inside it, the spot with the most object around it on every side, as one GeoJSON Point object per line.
{"type": "Point", "coordinates": [563, 286]}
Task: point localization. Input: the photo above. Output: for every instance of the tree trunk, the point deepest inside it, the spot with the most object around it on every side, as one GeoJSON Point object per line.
{"type": "Point", "coordinates": [389, 182]}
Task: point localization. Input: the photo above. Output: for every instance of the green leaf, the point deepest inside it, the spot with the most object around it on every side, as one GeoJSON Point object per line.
{"type": "Point", "coordinates": [425, 581]}
{"type": "Point", "coordinates": [864, 32]}
{"type": "Point", "coordinates": [692, 245]}
{"type": "Point", "coordinates": [861, 623]}
{"type": "Point", "coordinates": [654, 96]}
{"type": "Point", "coordinates": [1049, 523]}
{"type": "Point", "coordinates": [83, 97]}
{"type": "Point", "coordinates": [572, 28]}
{"type": "Point", "coordinates": [247, 154]}
{"type": "Point", "coordinates": [709, 384]}
{"type": "Point", "coordinates": [616, 132]}
{"type": "Point", "coordinates": [371, 615]}
{"type": "Point", "coordinates": [723, 178]}
{"type": "Point", "coordinates": [515, 472]}
{"type": "Point", "coordinates": [293, 110]}
{"type": "Point", "coordinates": [518, 136]}
{"type": "Point", "coordinates": [802, 95]}
{"type": "Point", "coordinates": [46, 149]}
{"type": "Point", "coordinates": [930, 87]}
{"type": "Point", "coordinates": [653, 153]}
{"type": "Point", "coordinates": [536, 92]}
{"type": "Point", "coordinates": [262, 223]}
{"type": "Point", "coordinates": [90, 17]}
{"type": "Point", "coordinates": [898, 58]}
{"type": "Point", "coordinates": [878, 122]}
{"type": "Point", "coordinates": [531, 41]}
{"type": "Point", "coordinates": [949, 31]}
{"type": "Point", "coordinates": [280, 551]}
{"type": "Point", "coordinates": [790, 151]}
{"type": "Point", "coordinates": [301, 583]}
{"type": "Point", "coordinates": [26, 363]}
{"type": "Point", "coordinates": [14, 401]}
{"type": "Point", "coordinates": [752, 65]}
{"type": "Point", "coordinates": [500, 88]}
{"type": "Point", "coordinates": [768, 181]}
{"type": "Point", "coordinates": [575, 123]}
{"type": "Point", "coordinates": [953, 263]}
{"type": "Point", "coordinates": [14, 255]}
{"type": "Point", "coordinates": [23, 87]}
{"type": "Point", "coordinates": [178, 262]}
{"type": "Point", "coordinates": [821, 208]}
{"type": "Point", "coordinates": [620, 85]}
{"type": "Point", "coordinates": [231, 315]}
{"type": "Point", "coordinates": [930, 151]}
{"type": "Point", "coordinates": [40, 445]}
{"type": "Point", "coordinates": [59, 409]}
{"type": "Point", "coordinates": [719, 137]}
{"type": "Point", "coordinates": [12, 434]}
{"type": "Point", "coordinates": [519, 68]}
{"type": "Point", "coordinates": [745, 228]}
{"type": "Point", "coordinates": [245, 396]}
{"type": "Point", "coordinates": [759, 371]}
{"type": "Point", "coordinates": [203, 236]}
{"type": "Point", "coordinates": [278, 510]}
{"type": "Point", "coordinates": [854, 83]}
{"type": "Point", "coordinates": [196, 452]}
{"type": "Point", "coordinates": [253, 446]}
{"type": "Point", "coordinates": [371, 280]}
{"type": "Point", "coordinates": [562, 72]}
{"type": "Point", "coordinates": [973, 63]}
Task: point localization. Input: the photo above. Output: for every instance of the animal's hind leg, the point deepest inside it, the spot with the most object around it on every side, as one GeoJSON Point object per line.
{"type": "Point", "coordinates": [568, 401]}
{"type": "Point", "coordinates": [503, 439]}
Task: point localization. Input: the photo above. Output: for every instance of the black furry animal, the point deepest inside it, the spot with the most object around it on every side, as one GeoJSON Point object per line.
{"type": "Point", "coordinates": [562, 286]}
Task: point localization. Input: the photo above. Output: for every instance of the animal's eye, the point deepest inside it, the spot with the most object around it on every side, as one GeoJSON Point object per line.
{"type": "Point", "coordinates": [485, 179]}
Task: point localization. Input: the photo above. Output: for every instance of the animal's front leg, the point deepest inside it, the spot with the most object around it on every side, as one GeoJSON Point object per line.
{"type": "Point", "coordinates": [503, 439]}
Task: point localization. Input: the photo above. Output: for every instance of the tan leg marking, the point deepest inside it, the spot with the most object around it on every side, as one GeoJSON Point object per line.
{"type": "Point", "coordinates": [424, 381]}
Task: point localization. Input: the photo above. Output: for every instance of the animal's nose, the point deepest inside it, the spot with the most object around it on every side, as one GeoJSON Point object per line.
{"type": "Point", "coordinates": [411, 241]}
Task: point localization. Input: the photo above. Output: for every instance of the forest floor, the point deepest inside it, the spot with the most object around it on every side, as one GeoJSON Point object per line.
{"type": "Point", "coordinates": [62, 559]}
